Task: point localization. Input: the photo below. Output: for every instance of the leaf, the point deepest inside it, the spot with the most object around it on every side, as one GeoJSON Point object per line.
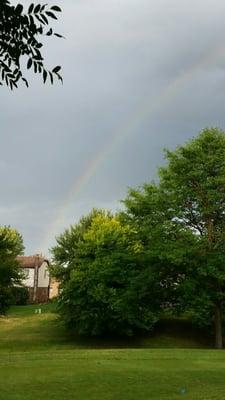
{"type": "Point", "coordinates": [19, 9]}
{"type": "Point", "coordinates": [44, 19]}
{"type": "Point", "coordinates": [56, 69]}
{"type": "Point", "coordinates": [38, 55]}
{"type": "Point", "coordinates": [43, 7]}
{"type": "Point", "coordinates": [51, 77]}
{"type": "Point", "coordinates": [40, 30]}
{"type": "Point", "coordinates": [60, 78]}
{"type": "Point", "coordinates": [50, 14]}
{"type": "Point", "coordinates": [58, 35]}
{"type": "Point", "coordinates": [39, 19]}
{"type": "Point", "coordinates": [56, 8]}
{"type": "Point", "coordinates": [45, 75]}
{"type": "Point", "coordinates": [49, 33]}
{"type": "Point", "coordinates": [30, 9]}
{"type": "Point", "coordinates": [31, 20]}
{"type": "Point", "coordinates": [37, 8]}
{"type": "Point", "coordinates": [29, 63]}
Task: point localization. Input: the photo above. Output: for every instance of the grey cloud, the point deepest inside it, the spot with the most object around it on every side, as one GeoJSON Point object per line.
{"type": "Point", "coordinates": [119, 59]}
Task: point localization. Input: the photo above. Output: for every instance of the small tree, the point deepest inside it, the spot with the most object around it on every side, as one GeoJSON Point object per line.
{"type": "Point", "coordinates": [20, 34]}
{"type": "Point", "coordinates": [11, 245]}
{"type": "Point", "coordinates": [103, 292]}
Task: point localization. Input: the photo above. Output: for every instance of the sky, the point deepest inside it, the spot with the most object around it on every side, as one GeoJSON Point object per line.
{"type": "Point", "coordinates": [139, 76]}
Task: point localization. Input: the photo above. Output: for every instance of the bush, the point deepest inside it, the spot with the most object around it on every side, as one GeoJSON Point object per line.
{"type": "Point", "coordinates": [20, 295]}
{"type": "Point", "coordinates": [5, 299]}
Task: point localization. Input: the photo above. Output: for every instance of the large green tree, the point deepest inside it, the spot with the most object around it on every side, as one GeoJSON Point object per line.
{"type": "Point", "coordinates": [194, 181]}
{"type": "Point", "coordinates": [100, 262]}
{"type": "Point", "coordinates": [11, 245]}
{"type": "Point", "coordinates": [168, 247]}
{"type": "Point", "coordinates": [21, 36]}
{"type": "Point", "coordinates": [187, 210]}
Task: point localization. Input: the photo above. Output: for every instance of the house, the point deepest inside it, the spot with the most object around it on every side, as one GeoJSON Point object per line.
{"type": "Point", "coordinates": [36, 277]}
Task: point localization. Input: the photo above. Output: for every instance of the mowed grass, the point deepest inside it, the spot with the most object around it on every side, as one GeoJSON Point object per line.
{"type": "Point", "coordinates": [39, 360]}
{"type": "Point", "coordinates": [25, 330]}
{"type": "Point", "coordinates": [113, 374]}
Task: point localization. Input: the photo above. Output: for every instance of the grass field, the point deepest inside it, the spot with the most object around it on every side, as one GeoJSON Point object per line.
{"type": "Point", "coordinates": [38, 360]}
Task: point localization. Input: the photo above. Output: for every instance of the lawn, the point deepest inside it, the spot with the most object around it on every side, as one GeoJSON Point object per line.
{"type": "Point", "coordinates": [39, 360]}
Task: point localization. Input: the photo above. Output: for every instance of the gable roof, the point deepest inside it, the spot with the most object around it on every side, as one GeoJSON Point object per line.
{"type": "Point", "coordinates": [31, 261]}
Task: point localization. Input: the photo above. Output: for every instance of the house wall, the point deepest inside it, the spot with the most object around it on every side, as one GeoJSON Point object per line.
{"type": "Point", "coordinates": [43, 276]}
{"type": "Point", "coordinates": [29, 280]}
{"type": "Point", "coordinates": [42, 295]}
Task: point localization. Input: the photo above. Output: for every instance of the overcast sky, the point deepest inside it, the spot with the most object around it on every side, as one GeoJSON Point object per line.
{"type": "Point", "coordinates": [139, 76]}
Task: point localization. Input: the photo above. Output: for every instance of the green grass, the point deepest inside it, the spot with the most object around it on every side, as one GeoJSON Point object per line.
{"type": "Point", "coordinates": [22, 311]}
{"type": "Point", "coordinates": [26, 330]}
{"type": "Point", "coordinates": [113, 374]}
{"type": "Point", "coordinates": [39, 360]}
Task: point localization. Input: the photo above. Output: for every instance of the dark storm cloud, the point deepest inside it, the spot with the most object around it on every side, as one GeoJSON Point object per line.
{"type": "Point", "coordinates": [117, 58]}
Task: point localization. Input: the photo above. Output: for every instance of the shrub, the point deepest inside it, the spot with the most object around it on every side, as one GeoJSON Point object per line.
{"type": "Point", "coordinates": [20, 295]}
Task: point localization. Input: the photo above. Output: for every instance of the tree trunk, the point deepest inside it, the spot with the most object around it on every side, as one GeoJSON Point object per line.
{"type": "Point", "coordinates": [218, 327]}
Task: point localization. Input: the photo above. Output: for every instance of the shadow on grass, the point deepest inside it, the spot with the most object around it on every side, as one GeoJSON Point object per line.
{"type": "Point", "coordinates": [24, 329]}
{"type": "Point", "coordinates": [168, 333]}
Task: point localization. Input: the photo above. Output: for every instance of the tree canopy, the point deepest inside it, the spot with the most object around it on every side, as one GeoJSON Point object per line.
{"type": "Point", "coordinates": [102, 290]}
{"type": "Point", "coordinates": [21, 34]}
{"type": "Point", "coordinates": [182, 219]}
{"type": "Point", "coordinates": [194, 182]}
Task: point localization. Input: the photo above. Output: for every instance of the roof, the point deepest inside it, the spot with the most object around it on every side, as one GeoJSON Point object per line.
{"type": "Point", "coordinates": [31, 261]}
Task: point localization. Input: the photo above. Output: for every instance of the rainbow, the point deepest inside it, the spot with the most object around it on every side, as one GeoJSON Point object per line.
{"type": "Point", "coordinates": [124, 131]}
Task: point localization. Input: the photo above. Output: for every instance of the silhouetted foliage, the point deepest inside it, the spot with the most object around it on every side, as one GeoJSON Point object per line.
{"type": "Point", "coordinates": [20, 33]}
